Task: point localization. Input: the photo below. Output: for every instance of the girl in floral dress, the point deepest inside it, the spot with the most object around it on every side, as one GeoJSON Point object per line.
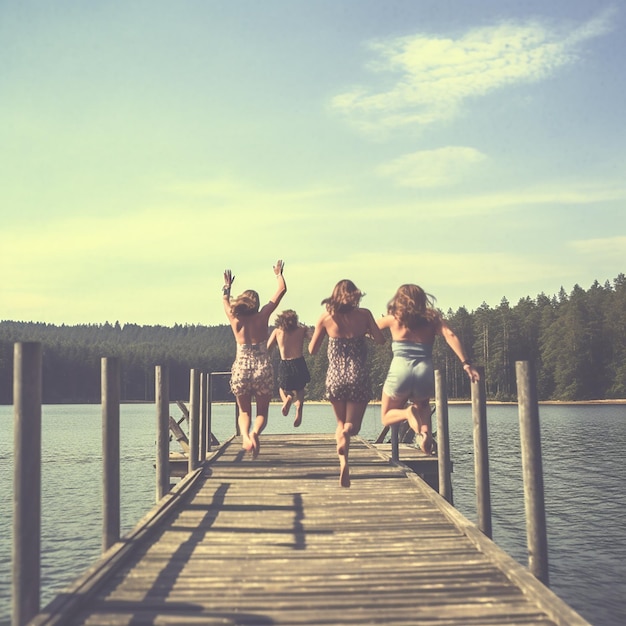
{"type": "Point", "coordinates": [347, 379]}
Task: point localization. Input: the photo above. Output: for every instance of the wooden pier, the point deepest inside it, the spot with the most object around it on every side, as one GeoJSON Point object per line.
{"type": "Point", "coordinates": [276, 540]}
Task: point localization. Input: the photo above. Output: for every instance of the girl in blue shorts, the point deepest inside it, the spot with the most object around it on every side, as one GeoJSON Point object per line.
{"type": "Point", "coordinates": [414, 323]}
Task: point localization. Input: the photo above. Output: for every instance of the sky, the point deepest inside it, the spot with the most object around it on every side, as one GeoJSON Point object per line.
{"type": "Point", "coordinates": [474, 147]}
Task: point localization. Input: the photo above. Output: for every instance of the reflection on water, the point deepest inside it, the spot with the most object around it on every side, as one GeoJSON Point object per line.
{"type": "Point", "coordinates": [582, 448]}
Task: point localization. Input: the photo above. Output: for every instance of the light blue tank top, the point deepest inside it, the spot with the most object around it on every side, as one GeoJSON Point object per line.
{"type": "Point", "coordinates": [411, 350]}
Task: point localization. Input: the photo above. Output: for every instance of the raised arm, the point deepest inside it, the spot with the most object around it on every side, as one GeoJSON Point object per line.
{"type": "Point", "coordinates": [228, 281]}
{"type": "Point", "coordinates": [281, 289]}
{"type": "Point", "coordinates": [455, 343]}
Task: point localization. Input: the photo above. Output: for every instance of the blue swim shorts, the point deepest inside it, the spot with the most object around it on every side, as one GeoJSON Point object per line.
{"type": "Point", "coordinates": [411, 374]}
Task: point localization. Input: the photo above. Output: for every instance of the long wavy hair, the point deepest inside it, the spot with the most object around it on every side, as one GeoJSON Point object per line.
{"type": "Point", "coordinates": [244, 304]}
{"type": "Point", "coordinates": [287, 320]}
{"type": "Point", "coordinates": [413, 307]}
{"type": "Point", "coordinates": [345, 297]}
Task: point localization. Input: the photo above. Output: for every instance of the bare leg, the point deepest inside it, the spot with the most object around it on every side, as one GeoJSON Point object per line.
{"type": "Point", "coordinates": [299, 406]}
{"type": "Point", "coordinates": [343, 449]}
{"type": "Point", "coordinates": [340, 414]}
{"type": "Point", "coordinates": [344, 471]}
{"type": "Point", "coordinates": [349, 418]}
{"type": "Point", "coordinates": [343, 441]}
{"type": "Point", "coordinates": [393, 411]}
{"type": "Point", "coordinates": [417, 414]}
{"type": "Point", "coordinates": [287, 400]}
{"type": "Point", "coordinates": [260, 422]}
{"type": "Point", "coordinates": [421, 410]}
{"type": "Point", "coordinates": [244, 420]}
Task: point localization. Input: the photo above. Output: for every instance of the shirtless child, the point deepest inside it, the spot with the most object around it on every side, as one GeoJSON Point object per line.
{"type": "Point", "coordinates": [293, 373]}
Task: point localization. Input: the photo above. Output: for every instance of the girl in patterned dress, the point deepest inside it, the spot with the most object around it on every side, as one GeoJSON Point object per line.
{"type": "Point", "coordinates": [251, 373]}
{"type": "Point", "coordinates": [347, 378]}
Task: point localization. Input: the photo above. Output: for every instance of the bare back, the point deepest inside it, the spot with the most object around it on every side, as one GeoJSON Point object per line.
{"type": "Point", "coordinates": [290, 341]}
{"type": "Point", "coordinates": [424, 334]}
{"type": "Point", "coordinates": [355, 323]}
{"type": "Point", "coordinates": [252, 329]}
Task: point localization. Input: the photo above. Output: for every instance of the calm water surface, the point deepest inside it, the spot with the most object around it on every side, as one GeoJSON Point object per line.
{"type": "Point", "coordinates": [584, 476]}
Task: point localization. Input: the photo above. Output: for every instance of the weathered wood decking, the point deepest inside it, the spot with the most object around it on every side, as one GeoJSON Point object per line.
{"type": "Point", "coordinates": [277, 541]}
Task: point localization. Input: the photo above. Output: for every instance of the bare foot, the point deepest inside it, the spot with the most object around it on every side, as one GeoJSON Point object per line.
{"type": "Point", "coordinates": [246, 443]}
{"type": "Point", "coordinates": [426, 442]}
{"type": "Point", "coordinates": [412, 416]}
{"type": "Point", "coordinates": [344, 472]}
{"type": "Point", "coordinates": [256, 444]}
{"type": "Point", "coordinates": [287, 405]}
{"type": "Point", "coordinates": [343, 443]}
{"type": "Point", "coordinates": [298, 419]}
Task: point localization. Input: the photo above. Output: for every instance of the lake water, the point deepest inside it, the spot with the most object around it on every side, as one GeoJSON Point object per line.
{"type": "Point", "coordinates": [584, 476]}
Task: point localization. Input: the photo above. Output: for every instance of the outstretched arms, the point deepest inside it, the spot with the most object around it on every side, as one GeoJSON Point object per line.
{"type": "Point", "coordinates": [319, 332]}
{"type": "Point", "coordinates": [455, 343]}
{"type": "Point", "coordinates": [373, 329]}
{"type": "Point", "coordinates": [272, 341]}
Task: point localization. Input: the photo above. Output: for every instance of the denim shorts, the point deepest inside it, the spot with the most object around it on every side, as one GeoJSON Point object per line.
{"type": "Point", "coordinates": [411, 374]}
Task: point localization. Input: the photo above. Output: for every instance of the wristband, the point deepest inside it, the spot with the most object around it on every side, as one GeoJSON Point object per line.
{"type": "Point", "coordinates": [226, 290]}
{"type": "Point", "coordinates": [464, 363]}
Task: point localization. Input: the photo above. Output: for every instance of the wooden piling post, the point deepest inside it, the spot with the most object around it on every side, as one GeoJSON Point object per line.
{"type": "Point", "coordinates": [530, 436]}
{"type": "Point", "coordinates": [110, 390]}
{"type": "Point", "coordinates": [481, 454]}
{"type": "Point", "coordinates": [194, 418]}
{"type": "Point", "coordinates": [209, 411]}
{"type": "Point", "coordinates": [395, 442]}
{"type": "Point", "coordinates": [162, 398]}
{"type": "Point", "coordinates": [27, 384]}
{"type": "Point", "coordinates": [203, 417]}
{"type": "Point", "coordinates": [443, 436]}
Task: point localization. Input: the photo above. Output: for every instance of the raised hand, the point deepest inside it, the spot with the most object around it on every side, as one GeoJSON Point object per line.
{"type": "Point", "coordinates": [278, 268]}
{"type": "Point", "coordinates": [229, 279]}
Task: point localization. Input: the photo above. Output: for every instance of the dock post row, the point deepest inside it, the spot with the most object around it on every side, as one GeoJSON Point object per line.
{"type": "Point", "coordinates": [27, 401]}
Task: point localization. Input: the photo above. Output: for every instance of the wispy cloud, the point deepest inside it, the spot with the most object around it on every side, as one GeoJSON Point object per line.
{"type": "Point", "coordinates": [238, 191]}
{"type": "Point", "coordinates": [605, 248]}
{"type": "Point", "coordinates": [431, 168]}
{"type": "Point", "coordinates": [426, 78]}
{"type": "Point", "coordinates": [561, 194]}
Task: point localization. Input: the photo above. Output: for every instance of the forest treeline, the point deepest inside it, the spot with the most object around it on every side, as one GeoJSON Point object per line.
{"type": "Point", "coordinates": [576, 341]}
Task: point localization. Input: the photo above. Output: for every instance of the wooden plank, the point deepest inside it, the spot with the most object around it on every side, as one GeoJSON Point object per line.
{"type": "Point", "coordinates": [179, 435]}
{"type": "Point", "coordinates": [184, 410]}
{"type": "Point", "coordinates": [278, 541]}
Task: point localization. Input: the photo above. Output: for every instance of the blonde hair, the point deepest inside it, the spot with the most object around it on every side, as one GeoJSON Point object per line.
{"type": "Point", "coordinates": [413, 307]}
{"type": "Point", "coordinates": [345, 297]}
{"type": "Point", "coordinates": [287, 320]}
{"type": "Point", "coordinates": [246, 303]}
